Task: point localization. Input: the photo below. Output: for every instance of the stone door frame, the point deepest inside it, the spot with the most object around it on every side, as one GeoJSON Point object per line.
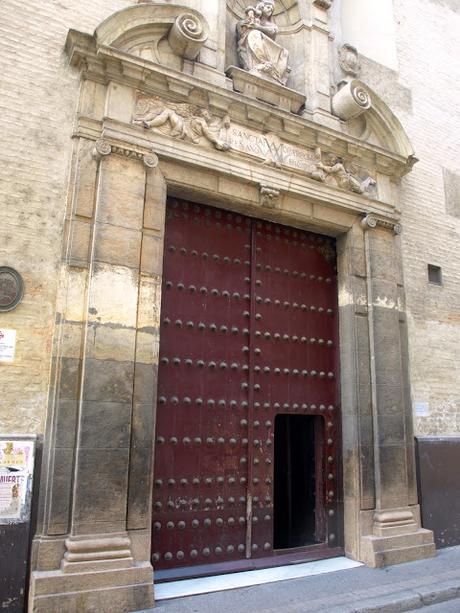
{"type": "Point", "coordinates": [377, 507]}
{"type": "Point", "coordinates": [92, 547]}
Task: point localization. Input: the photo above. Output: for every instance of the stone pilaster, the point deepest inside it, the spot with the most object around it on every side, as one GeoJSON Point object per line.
{"type": "Point", "coordinates": [316, 60]}
{"type": "Point", "coordinates": [91, 552]}
{"type": "Point", "coordinates": [357, 426]}
{"type": "Point", "coordinates": [395, 534]}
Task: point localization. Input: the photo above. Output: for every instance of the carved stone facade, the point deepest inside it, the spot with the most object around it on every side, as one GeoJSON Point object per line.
{"type": "Point", "coordinates": [234, 106]}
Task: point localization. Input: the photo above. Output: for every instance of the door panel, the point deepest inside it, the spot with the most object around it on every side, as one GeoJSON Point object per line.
{"type": "Point", "coordinates": [248, 332]}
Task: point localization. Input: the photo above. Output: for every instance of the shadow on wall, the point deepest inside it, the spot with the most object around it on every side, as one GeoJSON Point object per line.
{"type": "Point", "coordinates": [439, 487]}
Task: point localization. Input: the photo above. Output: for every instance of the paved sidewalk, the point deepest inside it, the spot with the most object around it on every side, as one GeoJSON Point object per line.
{"type": "Point", "coordinates": [405, 587]}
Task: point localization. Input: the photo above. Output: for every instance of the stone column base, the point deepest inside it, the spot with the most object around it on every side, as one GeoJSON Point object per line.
{"type": "Point", "coordinates": [109, 591]}
{"type": "Point", "coordinates": [397, 538]}
{"type": "Point", "coordinates": [378, 551]}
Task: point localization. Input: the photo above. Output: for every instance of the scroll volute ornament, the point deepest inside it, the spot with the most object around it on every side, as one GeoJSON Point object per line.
{"type": "Point", "coordinates": [352, 100]}
{"type": "Point", "coordinates": [188, 35]}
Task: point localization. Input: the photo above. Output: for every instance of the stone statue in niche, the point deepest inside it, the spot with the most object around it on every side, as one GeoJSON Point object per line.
{"type": "Point", "coordinates": [258, 51]}
{"type": "Point", "coordinates": [344, 177]}
{"type": "Point", "coordinates": [183, 121]}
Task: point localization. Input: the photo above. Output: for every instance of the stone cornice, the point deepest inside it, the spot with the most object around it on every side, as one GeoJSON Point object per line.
{"type": "Point", "coordinates": [105, 64]}
{"type": "Point", "coordinates": [123, 139]}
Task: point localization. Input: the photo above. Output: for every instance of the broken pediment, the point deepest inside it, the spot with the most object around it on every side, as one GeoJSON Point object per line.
{"type": "Point", "coordinates": [370, 119]}
{"type": "Point", "coordinates": [156, 32]}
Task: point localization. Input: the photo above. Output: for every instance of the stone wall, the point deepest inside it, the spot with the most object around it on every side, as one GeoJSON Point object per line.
{"type": "Point", "coordinates": [38, 99]}
{"type": "Point", "coordinates": [425, 95]}
{"type": "Point", "coordinates": [429, 68]}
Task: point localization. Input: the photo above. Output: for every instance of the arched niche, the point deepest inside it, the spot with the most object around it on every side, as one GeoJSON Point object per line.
{"type": "Point", "coordinates": [287, 17]}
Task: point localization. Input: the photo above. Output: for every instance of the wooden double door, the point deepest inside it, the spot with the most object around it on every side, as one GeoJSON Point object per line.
{"type": "Point", "coordinates": [247, 466]}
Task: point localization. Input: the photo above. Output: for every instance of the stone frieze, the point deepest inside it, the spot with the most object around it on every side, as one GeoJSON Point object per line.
{"type": "Point", "coordinates": [195, 124]}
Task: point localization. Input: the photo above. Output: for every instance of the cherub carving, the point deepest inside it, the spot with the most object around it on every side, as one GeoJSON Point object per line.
{"type": "Point", "coordinates": [345, 177]}
{"type": "Point", "coordinates": [253, 16]}
{"type": "Point", "coordinates": [183, 121]}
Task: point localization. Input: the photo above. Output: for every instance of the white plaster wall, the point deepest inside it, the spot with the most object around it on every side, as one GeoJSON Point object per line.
{"type": "Point", "coordinates": [369, 25]}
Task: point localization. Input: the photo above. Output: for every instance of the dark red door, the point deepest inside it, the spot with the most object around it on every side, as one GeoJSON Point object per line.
{"type": "Point", "coordinates": [248, 338]}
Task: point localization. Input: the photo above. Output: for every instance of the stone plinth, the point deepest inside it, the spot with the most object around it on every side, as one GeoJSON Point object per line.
{"type": "Point", "coordinates": [265, 90]}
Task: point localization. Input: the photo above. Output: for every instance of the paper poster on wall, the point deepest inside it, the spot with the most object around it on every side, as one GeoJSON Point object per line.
{"type": "Point", "coordinates": [7, 345]}
{"type": "Point", "coordinates": [16, 471]}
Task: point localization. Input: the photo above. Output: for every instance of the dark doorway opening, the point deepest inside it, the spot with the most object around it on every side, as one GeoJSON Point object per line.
{"type": "Point", "coordinates": [296, 483]}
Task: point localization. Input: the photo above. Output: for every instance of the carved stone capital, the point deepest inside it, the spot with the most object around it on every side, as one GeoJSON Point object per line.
{"type": "Point", "coordinates": [269, 196]}
{"type": "Point", "coordinates": [150, 161]}
{"type": "Point", "coordinates": [370, 222]}
{"type": "Point", "coordinates": [101, 149]}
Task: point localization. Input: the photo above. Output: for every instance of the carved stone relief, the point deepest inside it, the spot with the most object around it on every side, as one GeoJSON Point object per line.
{"type": "Point", "coordinates": [345, 175]}
{"type": "Point", "coordinates": [269, 196]}
{"type": "Point", "coordinates": [286, 12]}
{"type": "Point", "coordinates": [325, 168]}
{"type": "Point", "coordinates": [349, 60]}
{"type": "Point", "coordinates": [195, 124]}
{"type": "Point", "coordinates": [182, 121]}
{"type": "Point", "coordinates": [258, 51]}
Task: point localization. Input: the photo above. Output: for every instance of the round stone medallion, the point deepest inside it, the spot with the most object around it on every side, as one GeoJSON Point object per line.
{"type": "Point", "coordinates": [11, 288]}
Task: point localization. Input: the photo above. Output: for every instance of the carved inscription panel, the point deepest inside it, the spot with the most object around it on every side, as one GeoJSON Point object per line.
{"type": "Point", "coordinates": [196, 125]}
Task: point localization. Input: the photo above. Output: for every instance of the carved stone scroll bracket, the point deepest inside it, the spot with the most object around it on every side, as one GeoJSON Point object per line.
{"type": "Point", "coordinates": [269, 196]}
{"type": "Point", "coordinates": [188, 35]}
{"type": "Point", "coordinates": [141, 28]}
{"type": "Point", "coordinates": [323, 4]}
{"type": "Point", "coordinates": [370, 222]}
{"type": "Point", "coordinates": [351, 101]}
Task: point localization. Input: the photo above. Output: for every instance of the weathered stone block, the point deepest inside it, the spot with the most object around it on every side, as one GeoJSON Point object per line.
{"type": "Point", "coordinates": [118, 246]}
{"type": "Point", "coordinates": [122, 191]}
{"type": "Point", "coordinates": [152, 255]}
{"type": "Point", "coordinates": [139, 487]}
{"type": "Point", "coordinates": [60, 495]}
{"type": "Point", "coordinates": [101, 487]}
{"type": "Point", "coordinates": [105, 425]}
{"type": "Point", "coordinates": [108, 381]}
